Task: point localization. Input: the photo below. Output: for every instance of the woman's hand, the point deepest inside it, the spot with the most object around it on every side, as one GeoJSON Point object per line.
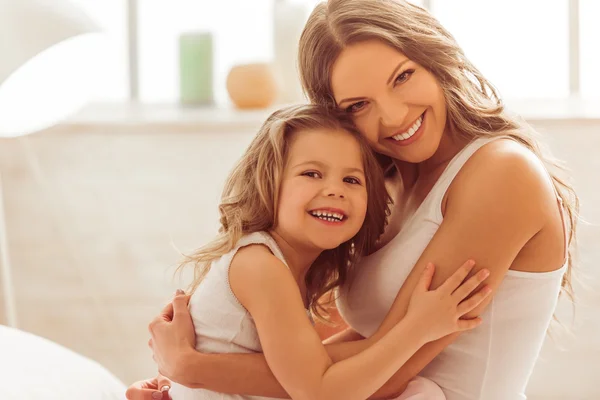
{"type": "Point", "coordinates": [173, 336]}
{"type": "Point", "coordinates": [440, 311]}
{"type": "Point", "coordinates": [150, 389]}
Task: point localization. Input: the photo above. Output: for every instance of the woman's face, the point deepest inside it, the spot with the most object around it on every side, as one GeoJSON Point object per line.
{"type": "Point", "coordinates": [397, 104]}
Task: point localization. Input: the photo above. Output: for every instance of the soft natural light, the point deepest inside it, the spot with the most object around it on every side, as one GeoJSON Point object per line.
{"type": "Point", "coordinates": [49, 87]}
{"type": "Point", "coordinates": [522, 47]}
{"type": "Point", "coordinates": [110, 15]}
{"type": "Point", "coordinates": [590, 48]}
{"type": "Point", "coordinates": [242, 32]}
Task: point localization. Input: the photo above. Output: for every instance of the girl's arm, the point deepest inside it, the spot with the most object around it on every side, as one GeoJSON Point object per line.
{"type": "Point", "coordinates": [497, 203]}
{"type": "Point", "coordinates": [293, 349]}
{"type": "Point", "coordinates": [250, 374]}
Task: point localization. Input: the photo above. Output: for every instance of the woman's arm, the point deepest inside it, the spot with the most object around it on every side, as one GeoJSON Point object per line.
{"type": "Point", "coordinates": [250, 374]}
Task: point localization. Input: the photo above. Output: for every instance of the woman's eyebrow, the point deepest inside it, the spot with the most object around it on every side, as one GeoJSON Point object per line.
{"type": "Point", "coordinates": [396, 70]}
{"type": "Point", "coordinates": [393, 74]}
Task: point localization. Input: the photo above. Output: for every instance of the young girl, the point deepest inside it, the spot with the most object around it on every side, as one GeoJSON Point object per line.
{"type": "Point", "coordinates": [305, 202]}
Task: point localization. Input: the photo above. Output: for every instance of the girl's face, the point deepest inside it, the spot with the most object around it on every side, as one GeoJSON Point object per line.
{"type": "Point", "coordinates": [323, 196]}
{"type": "Point", "coordinates": [397, 104]}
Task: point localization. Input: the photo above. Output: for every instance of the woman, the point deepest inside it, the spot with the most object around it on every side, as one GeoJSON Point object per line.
{"type": "Point", "coordinates": [468, 180]}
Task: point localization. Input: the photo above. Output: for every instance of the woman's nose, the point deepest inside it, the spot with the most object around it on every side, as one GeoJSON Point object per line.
{"type": "Point", "coordinates": [392, 114]}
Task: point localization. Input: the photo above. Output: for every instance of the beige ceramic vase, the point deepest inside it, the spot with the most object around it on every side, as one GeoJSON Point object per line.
{"type": "Point", "coordinates": [252, 85]}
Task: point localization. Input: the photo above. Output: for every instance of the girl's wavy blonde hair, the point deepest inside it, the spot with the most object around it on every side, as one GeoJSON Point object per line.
{"type": "Point", "coordinates": [474, 108]}
{"type": "Point", "coordinates": [251, 195]}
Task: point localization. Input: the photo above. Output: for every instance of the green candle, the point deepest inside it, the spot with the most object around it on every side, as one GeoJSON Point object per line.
{"type": "Point", "coordinates": [196, 68]}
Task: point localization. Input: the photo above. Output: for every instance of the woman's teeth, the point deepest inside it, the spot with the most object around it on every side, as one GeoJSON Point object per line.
{"type": "Point", "coordinates": [327, 216]}
{"type": "Point", "coordinates": [410, 132]}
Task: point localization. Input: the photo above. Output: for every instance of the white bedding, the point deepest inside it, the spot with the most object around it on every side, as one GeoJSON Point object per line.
{"type": "Point", "coordinates": [32, 367]}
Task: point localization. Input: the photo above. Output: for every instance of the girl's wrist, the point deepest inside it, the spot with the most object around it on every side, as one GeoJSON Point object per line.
{"type": "Point", "coordinates": [417, 328]}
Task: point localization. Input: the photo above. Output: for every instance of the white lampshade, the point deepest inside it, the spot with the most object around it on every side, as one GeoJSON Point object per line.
{"type": "Point", "coordinates": [48, 56]}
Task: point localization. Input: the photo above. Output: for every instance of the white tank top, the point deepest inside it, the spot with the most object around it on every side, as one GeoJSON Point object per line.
{"type": "Point", "coordinates": [493, 361]}
{"type": "Point", "coordinates": [222, 324]}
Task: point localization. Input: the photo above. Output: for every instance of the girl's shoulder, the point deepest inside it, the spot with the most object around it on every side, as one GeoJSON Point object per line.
{"type": "Point", "coordinates": [256, 272]}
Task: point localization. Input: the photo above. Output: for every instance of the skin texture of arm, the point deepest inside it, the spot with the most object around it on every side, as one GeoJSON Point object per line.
{"type": "Point", "coordinates": [292, 347]}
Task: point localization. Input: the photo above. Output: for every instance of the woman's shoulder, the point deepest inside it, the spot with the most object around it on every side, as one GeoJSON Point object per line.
{"type": "Point", "coordinates": [505, 162]}
{"type": "Point", "coordinates": [502, 169]}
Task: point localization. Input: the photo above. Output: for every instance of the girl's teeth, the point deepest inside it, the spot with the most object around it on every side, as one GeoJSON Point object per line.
{"type": "Point", "coordinates": [332, 217]}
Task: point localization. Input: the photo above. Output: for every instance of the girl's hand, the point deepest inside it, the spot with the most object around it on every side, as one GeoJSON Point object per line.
{"type": "Point", "coordinates": [173, 336]}
{"type": "Point", "coordinates": [439, 311]}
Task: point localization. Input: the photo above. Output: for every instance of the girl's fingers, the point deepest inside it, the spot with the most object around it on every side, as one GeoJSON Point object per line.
{"type": "Point", "coordinates": [457, 277]}
{"type": "Point", "coordinates": [426, 278]}
{"type": "Point", "coordinates": [469, 305]}
{"type": "Point", "coordinates": [468, 324]}
{"type": "Point", "coordinates": [470, 285]}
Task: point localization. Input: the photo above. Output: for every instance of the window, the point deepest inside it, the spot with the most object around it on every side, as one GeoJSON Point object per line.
{"type": "Point", "coordinates": [589, 34]}
{"type": "Point", "coordinates": [522, 47]}
{"type": "Point", "coordinates": [242, 32]}
{"type": "Point", "coordinates": [112, 84]}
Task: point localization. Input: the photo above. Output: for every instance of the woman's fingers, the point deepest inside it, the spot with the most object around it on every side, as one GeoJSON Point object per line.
{"type": "Point", "coordinates": [154, 323]}
{"type": "Point", "coordinates": [457, 277]}
{"type": "Point", "coordinates": [164, 384]}
{"type": "Point", "coordinates": [469, 305]}
{"type": "Point", "coordinates": [167, 312]}
{"type": "Point", "coordinates": [471, 284]}
{"type": "Point", "coordinates": [180, 306]}
{"type": "Point", "coordinates": [145, 390]}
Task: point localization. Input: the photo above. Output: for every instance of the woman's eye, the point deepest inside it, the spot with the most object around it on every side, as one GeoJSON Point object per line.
{"type": "Point", "coordinates": [352, 180]}
{"type": "Point", "coordinates": [356, 107]}
{"type": "Point", "coordinates": [403, 77]}
{"type": "Point", "coordinates": [311, 174]}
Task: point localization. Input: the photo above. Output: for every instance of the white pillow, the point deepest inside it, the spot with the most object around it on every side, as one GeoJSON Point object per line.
{"type": "Point", "coordinates": [34, 368]}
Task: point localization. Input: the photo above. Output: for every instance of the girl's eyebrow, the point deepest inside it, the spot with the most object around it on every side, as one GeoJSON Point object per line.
{"type": "Point", "coordinates": [324, 166]}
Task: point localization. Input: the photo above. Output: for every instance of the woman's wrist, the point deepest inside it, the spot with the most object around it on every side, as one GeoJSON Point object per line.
{"type": "Point", "coordinates": [187, 361]}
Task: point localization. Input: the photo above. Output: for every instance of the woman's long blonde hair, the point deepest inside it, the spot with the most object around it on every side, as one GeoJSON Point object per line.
{"type": "Point", "coordinates": [250, 199]}
{"type": "Point", "coordinates": [474, 108]}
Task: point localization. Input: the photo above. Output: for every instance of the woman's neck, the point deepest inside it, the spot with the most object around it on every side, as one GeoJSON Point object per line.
{"type": "Point", "coordinates": [412, 174]}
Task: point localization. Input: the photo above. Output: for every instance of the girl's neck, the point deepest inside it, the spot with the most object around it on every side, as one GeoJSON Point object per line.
{"type": "Point", "coordinates": [298, 258]}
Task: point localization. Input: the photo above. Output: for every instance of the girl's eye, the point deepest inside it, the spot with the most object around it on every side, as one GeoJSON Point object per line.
{"type": "Point", "coordinates": [352, 180]}
{"type": "Point", "coordinates": [311, 174]}
{"type": "Point", "coordinates": [356, 107]}
{"type": "Point", "coordinates": [404, 76]}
